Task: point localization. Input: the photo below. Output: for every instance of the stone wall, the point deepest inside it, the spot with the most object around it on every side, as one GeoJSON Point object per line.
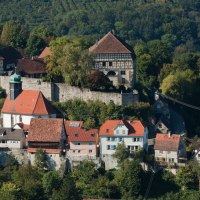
{"type": "Point", "coordinates": [62, 92]}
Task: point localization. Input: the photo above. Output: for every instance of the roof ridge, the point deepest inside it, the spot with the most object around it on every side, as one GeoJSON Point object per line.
{"type": "Point", "coordinates": [36, 102]}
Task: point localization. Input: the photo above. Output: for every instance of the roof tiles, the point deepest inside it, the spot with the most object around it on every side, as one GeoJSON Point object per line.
{"type": "Point", "coordinates": [135, 128]}
{"type": "Point", "coordinates": [109, 44]}
{"type": "Point", "coordinates": [28, 102]}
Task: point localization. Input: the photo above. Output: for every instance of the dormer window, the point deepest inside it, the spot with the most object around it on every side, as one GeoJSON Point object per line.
{"type": "Point", "coordinates": [92, 134]}
{"type": "Point", "coordinates": [76, 134]}
{"type": "Point", "coordinates": [107, 130]}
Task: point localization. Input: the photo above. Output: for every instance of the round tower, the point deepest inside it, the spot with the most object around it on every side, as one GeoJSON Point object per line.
{"type": "Point", "coordinates": [15, 86]}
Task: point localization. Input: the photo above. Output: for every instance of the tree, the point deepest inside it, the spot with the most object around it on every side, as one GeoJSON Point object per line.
{"type": "Point", "coordinates": [121, 153]}
{"type": "Point", "coordinates": [186, 177]}
{"type": "Point", "coordinates": [128, 179]}
{"type": "Point", "coordinates": [51, 181]}
{"type": "Point", "coordinates": [68, 190]}
{"type": "Point", "coordinates": [28, 179]}
{"type": "Point", "coordinates": [38, 39]}
{"type": "Point", "coordinates": [41, 160]}
{"type": "Point", "coordinates": [9, 191]}
{"type": "Point", "coordinates": [98, 80]}
{"type": "Point", "coordinates": [13, 34]}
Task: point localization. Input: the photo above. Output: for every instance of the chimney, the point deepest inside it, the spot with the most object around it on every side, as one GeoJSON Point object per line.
{"type": "Point", "coordinates": [169, 134]}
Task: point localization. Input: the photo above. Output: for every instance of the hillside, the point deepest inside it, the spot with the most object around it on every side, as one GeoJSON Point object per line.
{"type": "Point", "coordinates": [130, 19]}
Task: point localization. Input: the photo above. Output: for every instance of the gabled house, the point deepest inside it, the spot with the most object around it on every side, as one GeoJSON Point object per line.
{"type": "Point", "coordinates": [21, 106]}
{"type": "Point", "coordinates": [33, 68]}
{"type": "Point", "coordinates": [115, 59]}
{"type": "Point", "coordinates": [82, 143]}
{"type": "Point", "coordinates": [11, 138]}
{"type": "Point", "coordinates": [113, 132]}
{"type": "Point", "coordinates": [50, 136]}
{"type": "Point", "coordinates": [170, 149]}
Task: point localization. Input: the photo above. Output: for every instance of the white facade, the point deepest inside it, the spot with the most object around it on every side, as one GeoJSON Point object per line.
{"type": "Point", "coordinates": [11, 144]}
{"type": "Point", "coordinates": [108, 144]}
{"type": "Point", "coordinates": [11, 119]}
{"type": "Point", "coordinates": [166, 156]}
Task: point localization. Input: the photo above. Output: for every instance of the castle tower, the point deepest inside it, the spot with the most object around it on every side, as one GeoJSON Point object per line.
{"type": "Point", "coordinates": [15, 86]}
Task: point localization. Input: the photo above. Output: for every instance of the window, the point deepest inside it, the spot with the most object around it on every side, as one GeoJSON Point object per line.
{"type": "Point", "coordinates": [76, 134]}
{"type": "Point", "coordinates": [123, 80]}
{"type": "Point", "coordinates": [89, 143]}
{"type": "Point", "coordinates": [117, 131]}
{"type": "Point", "coordinates": [104, 64]}
{"type": "Point", "coordinates": [136, 148]}
{"type": "Point", "coordinates": [108, 138]}
{"type": "Point", "coordinates": [90, 151]}
{"type": "Point", "coordinates": [160, 151]}
{"type": "Point", "coordinates": [20, 118]}
{"type": "Point", "coordinates": [108, 147]}
{"type": "Point", "coordinates": [92, 134]}
{"type": "Point", "coordinates": [120, 139]}
{"type": "Point", "coordinates": [123, 132]}
{"type": "Point", "coordinates": [113, 139]}
{"type": "Point", "coordinates": [110, 64]}
{"type": "Point", "coordinates": [77, 143]}
{"type": "Point", "coordinates": [123, 72]}
{"type": "Point", "coordinates": [107, 130]}
{"type": "Point", "coordinates": [172, 160]}
{"type": "Point", "coordinates": [113, 147]}
{"type": "Point", "coordinates": [79, 151]}
{"type": "Point", "coordinates": [169, 152]}
{"type": "Point", "coordinates": [12, 120]}
{"type": "Point", "coordinates": [74, 151]}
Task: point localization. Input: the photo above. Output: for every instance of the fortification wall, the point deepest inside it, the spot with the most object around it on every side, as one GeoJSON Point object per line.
{"type": "Point", "coordinates": [62, 92]}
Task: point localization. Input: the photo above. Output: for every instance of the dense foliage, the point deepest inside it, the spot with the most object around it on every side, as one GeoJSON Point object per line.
{"type": "Point", "coordinates": [94, 113]}
{"type": "Point", "coordinates": [129, 181]}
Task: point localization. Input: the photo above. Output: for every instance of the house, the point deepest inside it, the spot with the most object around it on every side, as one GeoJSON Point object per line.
{"type": "Point", "coordinates": [170, 149]}
{"type": "Point", "coordinates": [11, 138]}
{"type": "Point", "coordinates": [50, 136]}
{"type": "Point", "coordinates": [82, 142]}
{"type": "Point", "coordinates": [21, 106]}
{"type": "Point", "coordinates": [33, 68]}
{"type": "Point", "coordinates": [45, 52]}
{"type": "Point", "coordinates": [113, 132]}
{"type": "Point", "coordinates": [115, 59]}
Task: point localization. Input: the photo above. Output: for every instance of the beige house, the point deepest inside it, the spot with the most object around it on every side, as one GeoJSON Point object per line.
{"type": "Point", "coordinates": [114, 58]}
{"type": "Point", "coordinates": [170, 149]}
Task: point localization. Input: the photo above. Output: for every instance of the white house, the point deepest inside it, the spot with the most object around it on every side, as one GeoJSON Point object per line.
{"type": "Point", "coordinates": [12, 138]}
{"type": "Point", "coordinates": [21, 106]}
{"type": "Point", "coordinates": [113, 132]}
{"type": "Point", "coordinates": [169, 149]}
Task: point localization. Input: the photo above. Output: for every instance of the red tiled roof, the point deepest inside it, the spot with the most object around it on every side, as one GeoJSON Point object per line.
{"type": "Point", "coordinates": [45, 130]}
{"type": "Point", "coordinates": [79, 134]}
{"type": "Point", "coordinates": [29, 102]}
{"type": "Point", "coordinates": [164, 142]}
{"type": "Point", "coordinates": [45, 52]}
{"type": "Point", "coordinates": [135, 127]}
{"type": "Point", "coordinates": [51, 151]}
{"type": "Point", "coordinates": [109, 44]}
{"type": "Point", "coordinates": [31, 66]}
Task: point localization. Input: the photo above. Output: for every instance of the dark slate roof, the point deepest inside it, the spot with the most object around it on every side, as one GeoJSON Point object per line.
{"type": "Point", "coordinates": [10, 54]}
{"type": "Point", "coordinates": [11, 134]}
